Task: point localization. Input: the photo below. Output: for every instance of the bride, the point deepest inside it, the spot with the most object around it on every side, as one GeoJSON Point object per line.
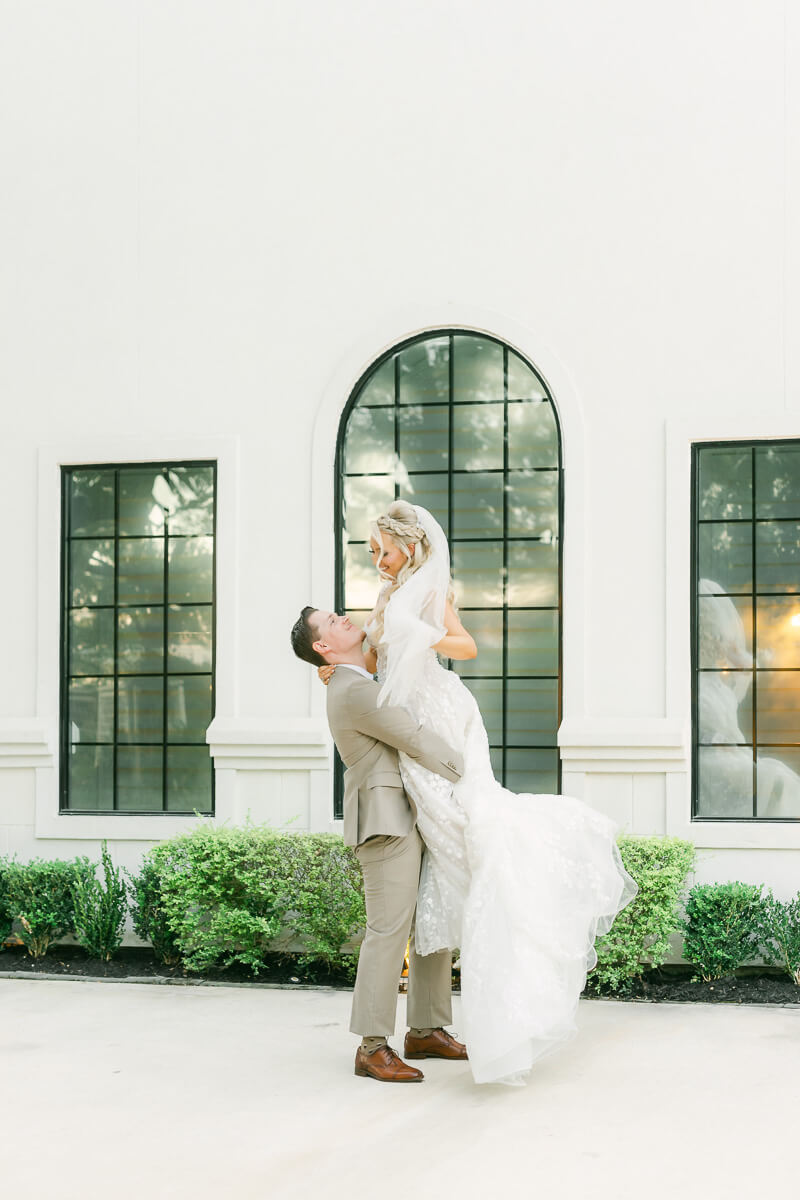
{"type": "Point", "coordinates": [521, 884]}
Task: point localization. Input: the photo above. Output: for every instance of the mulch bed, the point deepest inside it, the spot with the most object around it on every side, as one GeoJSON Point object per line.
{"type": "Point", "coordinates": [748, 986]}
{"type": "Point", "coordinates": [133, 962]}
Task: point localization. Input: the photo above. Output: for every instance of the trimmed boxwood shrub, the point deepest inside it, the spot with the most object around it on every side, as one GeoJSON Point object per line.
{"type": "Point", "coordinates": [782, 934]}
{"type": "Point", "coordinates": [230, 895]}
{"type": "Point", "coordinates": [724, 927]}
{"type": "Point", "coordinates": [100, 909]}
{"type": "Point", "coordinates": [40, 898]}
{"type": "Point", "coordinates": [5, 911]}
{"type": "Point", "coordinates": [640, 936]}
{"type": "Point", "coordinates": [148, 913]}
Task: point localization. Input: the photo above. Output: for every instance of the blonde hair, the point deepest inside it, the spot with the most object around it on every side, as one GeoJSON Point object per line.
{"type": "Point", "coordinates": [400, 523]}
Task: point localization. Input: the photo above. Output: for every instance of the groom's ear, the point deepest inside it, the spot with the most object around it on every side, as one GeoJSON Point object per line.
{"type": "Point", "coordinates": [320, 648]}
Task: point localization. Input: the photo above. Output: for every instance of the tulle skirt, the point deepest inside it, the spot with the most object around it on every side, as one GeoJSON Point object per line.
{"type": "Point", "coordinates": [522, 885]}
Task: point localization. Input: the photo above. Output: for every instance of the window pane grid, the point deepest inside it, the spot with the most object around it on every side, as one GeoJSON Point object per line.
{"type": "Point", "coordinates": [504, 535]}
{"type": "Point", "coordinates": [146, 768]}
{"type": "Point", "coordinates": [390, 407]}
{"type": "Point", "coordinates": [754, 628]}
{"type": "Point", "coordinates": [131, 537]}
{"type": "Point", "coordinates": [746, 520]}
{"type": "Point", "coordinates": [505, 563]}
{"type": "Point", "coordinates": [173, 742]}
{"type": "Point", "coordinates": [463, 471]}
{"type": "Point", "coordinates": [115, 774]}
{"type": "Point", "coordinates": [134, 675]}
{"type": "Point", "coordinates": [156, 604]}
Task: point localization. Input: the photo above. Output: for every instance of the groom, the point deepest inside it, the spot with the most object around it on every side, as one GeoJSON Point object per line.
{"type": "Point", "coordinates": [380, 822]}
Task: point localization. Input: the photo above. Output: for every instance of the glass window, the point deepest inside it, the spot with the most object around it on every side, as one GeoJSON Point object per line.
{"type": "Point", "coordinates": [746, 631]}
{"type": "Point", "coordinates": [138, 638]}
{"type": "Point", "coordinates": [462, 425]}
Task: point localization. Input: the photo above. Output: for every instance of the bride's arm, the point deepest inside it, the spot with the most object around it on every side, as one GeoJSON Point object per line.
{"type": "Point", "coordinates": [456, 643]}
{"type": "Point", "coordinates": [370, 653]}
{"type": "Point", "coordinates": [370, 662]}
{"type": "Point", "coordinates": [371, 659]}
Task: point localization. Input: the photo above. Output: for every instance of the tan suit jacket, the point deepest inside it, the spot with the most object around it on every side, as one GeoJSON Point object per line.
{"type": "Point", "coordinates": [368, 738]}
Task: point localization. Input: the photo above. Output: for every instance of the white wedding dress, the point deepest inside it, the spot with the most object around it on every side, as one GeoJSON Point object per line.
{"type": "Point", "coordinates": [521, 884]}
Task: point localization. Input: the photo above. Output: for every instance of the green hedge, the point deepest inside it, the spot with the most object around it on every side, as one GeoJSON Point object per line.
{"type": "Point", "coordinates": [40, 897]}
{"type": "Point", "coordinates": [148, 913]}
{"type": "Point", "coordinates": [218, 896]}
{"type": "Point", "coordinates": [782, 934]}
{"type": "Point", "coordinates": [209, 898]}
{"type": "Point", "coordinates": [640, 936]}
{"type": "Point", "coordinates": [100, 909]}
{"type": "Point", "coordinates": [729, 924]}
{"type": "Point", "coordinates": [723, 928]}
{"type": "Point", "coordinates": [5, 910]}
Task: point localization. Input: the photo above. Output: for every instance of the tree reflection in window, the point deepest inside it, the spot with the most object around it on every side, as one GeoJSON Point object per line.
{"type": "Point", "coordinates": [746, 644]}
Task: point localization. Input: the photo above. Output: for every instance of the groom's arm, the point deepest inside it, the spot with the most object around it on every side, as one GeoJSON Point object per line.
{"type": "Point", "coordinates": [397, 728]}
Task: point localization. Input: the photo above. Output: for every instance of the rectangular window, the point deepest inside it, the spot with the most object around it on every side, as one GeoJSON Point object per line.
{"type": "Point", "coordinates": [137, 644]}
{"type": "Point", "coordinates": [746, 631]}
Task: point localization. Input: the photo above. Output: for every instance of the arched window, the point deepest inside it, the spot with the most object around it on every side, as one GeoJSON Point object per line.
{"type": "Point", "coordinates": [460, 423]}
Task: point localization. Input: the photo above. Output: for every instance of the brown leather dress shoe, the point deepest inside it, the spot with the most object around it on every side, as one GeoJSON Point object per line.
{"type": "Point", "coordinates": [438, 1044]}
{"type": "Point", "coordinates": [387, 1066]}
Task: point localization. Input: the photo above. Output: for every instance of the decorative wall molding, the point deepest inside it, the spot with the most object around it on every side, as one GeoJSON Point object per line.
{"type": "Point", "coordinates": [294, 744]}
{"type": "Point", "coordinates": [622, 745]}
{"type": "Point", "coordinates": [25, 742]}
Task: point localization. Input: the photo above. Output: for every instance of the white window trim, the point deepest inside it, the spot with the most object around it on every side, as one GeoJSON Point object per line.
{"type": "Point", "coordinates": [680, 435]}
{"type": "Point", "coordinates": [50, 823]}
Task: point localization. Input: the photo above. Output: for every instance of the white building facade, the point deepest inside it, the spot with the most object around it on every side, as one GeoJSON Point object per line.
{"type": "Point", "coordinates": [223, 220]}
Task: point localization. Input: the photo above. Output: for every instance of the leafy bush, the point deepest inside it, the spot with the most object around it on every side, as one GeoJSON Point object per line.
{"type": "Point", "coordinates": [230, 894]}
{"type": "Point", "coordinates": [723, 927]}
{"type": "Point", "coordinates": [148, 913]}
{"type": "Point", "coordinates": [782, 934]}
{"type": "Point", "coordinates": [322, 884]}
{"type": "Point", "coordinates": [640, 935]}
{"type": "Point", "coordinates": [5, 911]}
{"type": "Point", "coordinates": [216, 899]}
{"type": "Point", "coordinates": [40, 897]}
{"type": "Point", "coordinates": [100, 909]}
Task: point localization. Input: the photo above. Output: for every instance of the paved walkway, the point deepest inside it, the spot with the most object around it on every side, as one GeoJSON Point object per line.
{"type": "Point", "coordinates": [127, 1090]}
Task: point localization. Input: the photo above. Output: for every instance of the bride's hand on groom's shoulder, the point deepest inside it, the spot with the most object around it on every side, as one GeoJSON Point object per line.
{"type": "Point", "coordinates": [325, 673]}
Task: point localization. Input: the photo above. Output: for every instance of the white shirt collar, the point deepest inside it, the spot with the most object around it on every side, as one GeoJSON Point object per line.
{"type": "Point", "coordinates": [355, 667]}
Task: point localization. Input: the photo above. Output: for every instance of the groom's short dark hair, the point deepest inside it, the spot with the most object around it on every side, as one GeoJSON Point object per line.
{"type": "Point", "coordinates": [303, 638]}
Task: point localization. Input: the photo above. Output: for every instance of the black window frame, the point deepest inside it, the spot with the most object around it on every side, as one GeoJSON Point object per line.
{"type": "Point", "coordinates": [394, 351]}
{"type": "Point", "coordinates": [737, 444]}
{"type": "Point", "coordinates": [164, 465]}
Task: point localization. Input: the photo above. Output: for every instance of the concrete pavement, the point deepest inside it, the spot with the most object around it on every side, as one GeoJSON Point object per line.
{"type": "Point", "coordinates": [120, 1089]}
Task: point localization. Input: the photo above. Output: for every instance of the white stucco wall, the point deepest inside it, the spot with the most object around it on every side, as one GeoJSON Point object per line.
{"type": "Point", "coordinates": [217, 214]}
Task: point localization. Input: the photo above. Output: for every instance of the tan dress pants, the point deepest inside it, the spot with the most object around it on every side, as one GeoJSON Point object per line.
{"type": "Point", "coordinates": [391, 866]}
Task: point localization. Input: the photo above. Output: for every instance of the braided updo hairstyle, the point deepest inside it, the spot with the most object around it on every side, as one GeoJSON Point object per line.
{"type": "Point", "coordinates": [399, 523]}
